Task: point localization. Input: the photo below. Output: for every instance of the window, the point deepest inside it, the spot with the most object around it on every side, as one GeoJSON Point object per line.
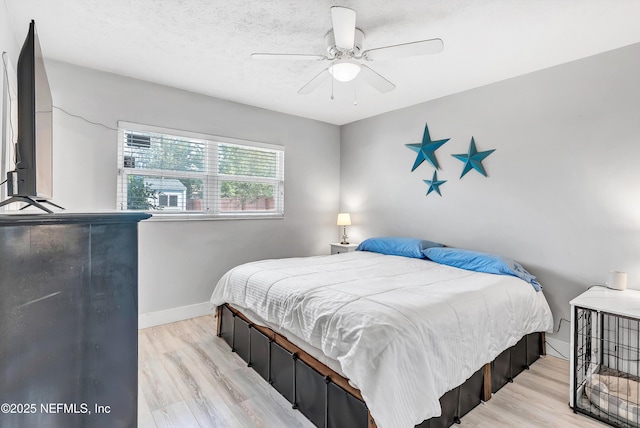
{"type": "Point", "coordinates": [168, 201]}
{"type": "Point", "coordinates": [167, 171]}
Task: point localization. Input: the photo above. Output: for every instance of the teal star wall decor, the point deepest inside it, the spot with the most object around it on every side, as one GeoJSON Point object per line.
{"type": "Point", "coordinates": [426, 149]}
{"type": "Point", "coordinates": [473, 159]}
{"type": "Point", "coordinates": [434, 184]}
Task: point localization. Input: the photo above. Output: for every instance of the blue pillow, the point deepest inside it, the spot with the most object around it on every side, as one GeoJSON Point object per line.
{"type": "Point", "coordinates": [480, 262]}
{"type": "Point", "coordinates": [407, 247]}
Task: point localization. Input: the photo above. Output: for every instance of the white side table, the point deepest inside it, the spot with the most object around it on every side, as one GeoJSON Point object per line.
{"type": "Point", "coordinates": [337, 248]}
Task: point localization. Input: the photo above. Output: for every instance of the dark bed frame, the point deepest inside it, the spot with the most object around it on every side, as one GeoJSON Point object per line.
{"type": "Point", "coordinates": [328, 400]}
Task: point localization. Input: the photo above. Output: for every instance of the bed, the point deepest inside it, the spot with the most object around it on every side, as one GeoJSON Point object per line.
{"type": "Point", "coordinates": [404, 331]}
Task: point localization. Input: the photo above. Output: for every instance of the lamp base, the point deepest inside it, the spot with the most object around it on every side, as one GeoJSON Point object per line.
{"type": "Point", "coordinates": [345, 238]}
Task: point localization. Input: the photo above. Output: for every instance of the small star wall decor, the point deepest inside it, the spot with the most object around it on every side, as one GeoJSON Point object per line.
{"type": "Point", "coordinates": [434, 184]}
{"type": "Point", "coordinates": [426, 149]}
{"type": "Point", "coordinates": [473, 159]}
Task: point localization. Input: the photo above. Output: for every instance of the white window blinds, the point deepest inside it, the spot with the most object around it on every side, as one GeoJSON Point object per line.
{"type": "Point", "coordinates": [174, 172]}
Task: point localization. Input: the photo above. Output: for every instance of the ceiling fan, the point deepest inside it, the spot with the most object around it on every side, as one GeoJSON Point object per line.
{"type": "Point", "coordinates": [344, 50]}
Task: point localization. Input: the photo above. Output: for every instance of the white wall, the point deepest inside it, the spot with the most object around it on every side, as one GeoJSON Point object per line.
{"type": "Point", "coordinates": [8, 41]}
{"type": "Point", "coordinates": [181, 261]}
{"type": "Point", "coordinates": [563, 192]}
{"type": "Point", "coordinates": [9, 45]}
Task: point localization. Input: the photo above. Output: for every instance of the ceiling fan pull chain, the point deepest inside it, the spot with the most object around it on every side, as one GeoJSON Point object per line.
{"type": "Point", "coordinates": [332, 79]}
{"type": "Point", "coordinates": [355, 93]}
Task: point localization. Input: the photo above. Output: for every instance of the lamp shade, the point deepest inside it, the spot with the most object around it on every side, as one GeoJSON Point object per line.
{"type": "Point", "coordinates": [344, 70]}
{"type": "Point", "coordinates": [344, 219]}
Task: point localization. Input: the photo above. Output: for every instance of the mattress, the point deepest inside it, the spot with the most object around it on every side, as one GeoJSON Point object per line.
{"type": "Point", "coordinates": [404, 331]}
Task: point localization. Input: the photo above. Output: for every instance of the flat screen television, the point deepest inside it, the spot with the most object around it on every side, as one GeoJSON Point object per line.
{"type": "Point", "coordinates": [32, 180]}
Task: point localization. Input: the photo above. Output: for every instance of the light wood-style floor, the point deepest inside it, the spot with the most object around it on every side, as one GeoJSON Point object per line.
{"type": "Point", "coordinates": [188, 377]}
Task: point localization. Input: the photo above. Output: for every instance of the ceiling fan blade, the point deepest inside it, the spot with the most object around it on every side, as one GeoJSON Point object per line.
{"type": "Point", "coordinates": [374, 79]}
{"type": "Point", "coordinates": [315, 82]}
{"type": "Point", "coordinates": [344, 26]}
{"type": "Point", "coordinates": [423, 47]}
{"type": "Point", "coordinates": [290, 57]}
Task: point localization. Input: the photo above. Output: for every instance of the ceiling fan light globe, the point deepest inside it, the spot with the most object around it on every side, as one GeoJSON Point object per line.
{"type": "Point", "coordinates": [344, 70]}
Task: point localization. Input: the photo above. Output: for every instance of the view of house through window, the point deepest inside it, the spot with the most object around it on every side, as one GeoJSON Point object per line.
{"type": "Point", "coordinates": [168, 173]}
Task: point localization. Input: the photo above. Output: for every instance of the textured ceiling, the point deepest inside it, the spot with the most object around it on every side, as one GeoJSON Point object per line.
{"type": "Point", "coordinates": [204, 46]}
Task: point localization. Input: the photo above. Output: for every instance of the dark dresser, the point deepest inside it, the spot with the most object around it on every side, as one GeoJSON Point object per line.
{"type": "Point", "coordinates": [69, 320]}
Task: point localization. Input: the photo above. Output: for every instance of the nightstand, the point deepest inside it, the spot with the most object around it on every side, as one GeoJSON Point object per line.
{"type": "Point", "coordinates": [337, 248]}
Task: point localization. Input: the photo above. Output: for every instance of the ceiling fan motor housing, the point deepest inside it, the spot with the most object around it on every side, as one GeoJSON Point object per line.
{"type": "Point", "coordinates": [334, 52]}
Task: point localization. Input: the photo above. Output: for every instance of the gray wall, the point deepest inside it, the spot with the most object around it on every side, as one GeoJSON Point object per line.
{"type": "Point", "coordinates": [180, 261]}
{"type": "Point", "coordinates": [563, 192]}
{"type": "Point", "coordinates": [8, 41]}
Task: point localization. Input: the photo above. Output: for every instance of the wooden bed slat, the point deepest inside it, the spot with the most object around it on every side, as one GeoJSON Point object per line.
{"type": "Point", "coordinates": [219, 320]}
{"type": "Point", "coordinates": [371, 423]}
{"type": "Point", "coordinates": [486, 389]}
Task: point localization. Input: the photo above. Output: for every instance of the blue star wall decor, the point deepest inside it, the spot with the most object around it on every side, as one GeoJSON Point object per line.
{"type": "Point", "coordinates": [434, 183]}
{"type": "Point", "coordinates": [426, 149]}
{"type": "Point", "coordinates": [473, 159]}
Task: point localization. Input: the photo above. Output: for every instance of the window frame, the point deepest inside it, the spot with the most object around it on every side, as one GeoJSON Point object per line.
{"type": "Point", "coordinates": [212, 179]}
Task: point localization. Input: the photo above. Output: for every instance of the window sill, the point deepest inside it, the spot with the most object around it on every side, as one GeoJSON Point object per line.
{"type": "Point", "coordinates": [155, 216]}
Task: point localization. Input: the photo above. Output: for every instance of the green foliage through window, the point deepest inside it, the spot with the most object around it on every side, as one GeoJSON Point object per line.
{"type": "Point", "coordinates": [140, 196]}
{"type": "Point", "coordinates": [235, 160]}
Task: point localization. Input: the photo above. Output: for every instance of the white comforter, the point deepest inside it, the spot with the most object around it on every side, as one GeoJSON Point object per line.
{"type": "Point", "coordinates": [405, 331]}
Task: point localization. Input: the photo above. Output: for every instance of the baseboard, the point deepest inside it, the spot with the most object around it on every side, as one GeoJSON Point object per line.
{"type": "Point", "coordinates": [151, 319]}
{"type": "Point", "coordinates": [557, 348]}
